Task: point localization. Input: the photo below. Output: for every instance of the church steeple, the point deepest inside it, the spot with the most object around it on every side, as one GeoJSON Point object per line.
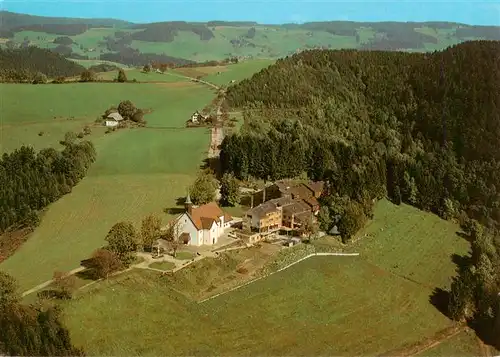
{"type": "Point", "coordinates": [188, 204]}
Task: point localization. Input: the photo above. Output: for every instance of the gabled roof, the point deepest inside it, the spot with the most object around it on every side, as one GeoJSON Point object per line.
{"type": "Point", "coordinates": [263, 209]}
{"type": "Point", "coordinates": [115, 116]}
{"type": "Point", "coordinates": [316, 186]}
{"type": "Point", "coordinates": [204, 216]}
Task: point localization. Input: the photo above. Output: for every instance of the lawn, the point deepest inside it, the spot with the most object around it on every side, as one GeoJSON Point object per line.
{"type": "Point", "coordinates": [464, 344]}
{"type": "Point", "coordinates": [411, 243]}
{"type": "Point", "coordinates": [184, 255]}
{"type": "Point", "coordinates": [321, 306]}
{"type": "Point", "coordinates": [162, 265]}
{"type": "Point", "coordinates": [137, 172]}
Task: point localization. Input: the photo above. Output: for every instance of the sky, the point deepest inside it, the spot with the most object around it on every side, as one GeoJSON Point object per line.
{"type": "Point", "coordinates": [486, 12]}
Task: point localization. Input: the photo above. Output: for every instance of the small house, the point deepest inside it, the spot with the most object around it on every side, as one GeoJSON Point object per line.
{"type": "Point", "coordinates": [113, 120]}
{"type": "Point", "coordinates": [198, 117]}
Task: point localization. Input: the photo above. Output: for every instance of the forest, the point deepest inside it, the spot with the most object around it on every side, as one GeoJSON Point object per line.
{"type": "Point", "coordinates": [134, 57]}
{"type": "Point", "coordinates": [22, 65]}
{"type": "Point", "coordinates": [419, 128]}
{"type": "Point", "coordinates": [32, 180]}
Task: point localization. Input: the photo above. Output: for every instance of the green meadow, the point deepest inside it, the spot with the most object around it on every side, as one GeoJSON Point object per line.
{"type": "Point", "coordinates": [138, 171]}
{"type": "Point", "coordinates": [344, 306]}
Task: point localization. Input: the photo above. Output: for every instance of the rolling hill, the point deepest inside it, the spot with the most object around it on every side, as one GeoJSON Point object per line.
{"type": "Point", "coordinates": [136, 44]}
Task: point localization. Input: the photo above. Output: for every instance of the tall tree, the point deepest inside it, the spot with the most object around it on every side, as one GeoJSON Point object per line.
{"type": "Point", "coordinates": [150, 230]}
{"type": "Point", "coordinates": [123, 241]}
{"type": "Point", "coordinates": [203, 189]}
{"type": "Point", "coordinates": [122, 77]}
{"type": "Point", "coordinates": [229, 190]}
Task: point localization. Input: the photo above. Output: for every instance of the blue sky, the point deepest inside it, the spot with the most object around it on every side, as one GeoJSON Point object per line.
{"type": "Point", "coordinates": [484, 12]}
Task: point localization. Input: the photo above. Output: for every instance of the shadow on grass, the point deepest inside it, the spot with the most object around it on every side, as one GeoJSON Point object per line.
{"type": "Point", "coordinates": [440, 299]}
{"type": "Point", "coordinates": [212, 163]}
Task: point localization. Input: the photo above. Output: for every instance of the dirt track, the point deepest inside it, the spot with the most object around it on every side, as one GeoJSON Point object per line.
{"type": "Point", "coordinates": [427, 343]}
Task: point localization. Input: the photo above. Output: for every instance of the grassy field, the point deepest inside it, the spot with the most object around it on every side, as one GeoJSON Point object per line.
{"type": "Point", "coordinates": [341, 317]}
{"type": "Point", "coordinates": [237, 71]}
{"type": "Point", "coordinates": [137, 172]}
{"type": "Point", "coordinates": [139, 76]}
{"type": "Point", "coordinates": [322, 306]}
{"type": "Point", "coordinates": [411, 243]}
{"type": "Point", "coordinates": [162, 265]}
{"type": "Point", "coordinates": [464, 344]}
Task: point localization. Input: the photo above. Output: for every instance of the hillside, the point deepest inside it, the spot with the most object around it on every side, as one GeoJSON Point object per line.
{"type": "Point", "coordinates": [114, 40]}
{"type": "Point", "coordinates": [24, 64]}
{"type": "Point", "coordinates": [423, 129]}
{"type": "Point", "coordinates": [410, 124]}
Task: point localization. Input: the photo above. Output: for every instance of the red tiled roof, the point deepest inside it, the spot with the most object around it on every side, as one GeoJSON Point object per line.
{"type": "Point", "coordinates": [204, 216]}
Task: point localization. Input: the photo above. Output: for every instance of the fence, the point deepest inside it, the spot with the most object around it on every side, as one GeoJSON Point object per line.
{"type": "Point", "coordinates": [277, 271]}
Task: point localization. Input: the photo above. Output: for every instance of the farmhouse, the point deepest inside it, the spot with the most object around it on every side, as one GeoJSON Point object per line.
{"type": "Point", "coordinates": [198, 117]}
{"type": "Point", "coordinates": [202, 225]}
{"type": "Point", "coordinates": [113, 119]}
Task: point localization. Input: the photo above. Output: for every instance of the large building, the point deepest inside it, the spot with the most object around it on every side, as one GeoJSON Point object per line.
{"type": "Point", "coordinates": [202, 225]}
{"type": "Point", "coordinates": [285, 205]}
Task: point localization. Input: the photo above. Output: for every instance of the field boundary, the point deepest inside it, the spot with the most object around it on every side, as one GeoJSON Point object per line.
{"type": "Point", "coordinates": [277, 271]}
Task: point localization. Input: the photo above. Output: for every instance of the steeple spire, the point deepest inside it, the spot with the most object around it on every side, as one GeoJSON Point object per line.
{"type": "Point", "coordinates": [188, 204]}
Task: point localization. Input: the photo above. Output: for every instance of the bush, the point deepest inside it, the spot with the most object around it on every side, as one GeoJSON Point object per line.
{"type": "Point", "coordinates": [80, 135]}
{"type": "Point", "coordinates": [41, 133]}
{"type": "Point", "coordinates": [40, 78]}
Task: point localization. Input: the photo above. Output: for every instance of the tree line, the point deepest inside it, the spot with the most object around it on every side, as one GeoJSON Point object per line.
{"type": "Point", "coordinates": [419, 128]}
{"type": "Point", "coordinates": [32, 180]}
{"type": "Point", "coordinates": [24, 64]}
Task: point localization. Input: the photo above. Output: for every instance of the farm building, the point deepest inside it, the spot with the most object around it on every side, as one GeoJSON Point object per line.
{"type": "Point", "coordinates": [202, 225]}
{"type": "Point", "coordinates": [113, 119]}
{"type": "Point", "coordinates": [198, 117]}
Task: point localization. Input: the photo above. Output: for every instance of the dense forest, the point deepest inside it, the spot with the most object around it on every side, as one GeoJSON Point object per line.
{"type": "Point", "coordinates": [30, 181]}
{"type": "Point", "coordinates": [22, 65]}
{"type": "Point", "coordinates": [418, 128]}
{"type": "Point", "coordinates": [30, 330]}
{"type": "Point", "coordinates": [134, 57]}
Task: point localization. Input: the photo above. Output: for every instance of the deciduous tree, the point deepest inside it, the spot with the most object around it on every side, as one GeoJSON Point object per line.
{"type": "Point", "coordinates": [122, 240]}
{"type": "Point", "coordinates": [150, 230]}
{"type": "Point", "coordinates": [127, 109]}
{"type": "Point", "coordinates": [203, 189]}
{"type": "Point", "coordinates": [104, 262]}
{"type": "Point", "coordinates": [8, 290]}
{"type": "Point", "coordinates": [65, 283]}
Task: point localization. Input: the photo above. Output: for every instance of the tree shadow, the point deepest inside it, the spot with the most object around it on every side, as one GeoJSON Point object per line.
{"type": "Point", "coordinates": [465, 236]}
{"type": "Point", "coordinates": [440, 299]}
{"type": "Point", "coordinates": [213, 163]}
{"type": "Point", "coordinates": [174, 210]}
{"type": "Point", "coordinates": [484, 329]}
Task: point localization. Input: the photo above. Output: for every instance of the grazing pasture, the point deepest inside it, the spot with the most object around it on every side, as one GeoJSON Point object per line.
{"type": "Point", "coordinates": [322, 306]}
{"type": "Point", "coordinates": [411, 243]}
{"type": "Point", "coordinates": [137, 172]}
{"type": "Point", "coordinates": [238, 71]}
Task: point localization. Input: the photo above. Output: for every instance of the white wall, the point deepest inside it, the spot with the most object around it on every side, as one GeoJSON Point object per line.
{"type": "Point", "coordinates": [187, 226]}
{"type": "Point", "coordinates": [111, 123]}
